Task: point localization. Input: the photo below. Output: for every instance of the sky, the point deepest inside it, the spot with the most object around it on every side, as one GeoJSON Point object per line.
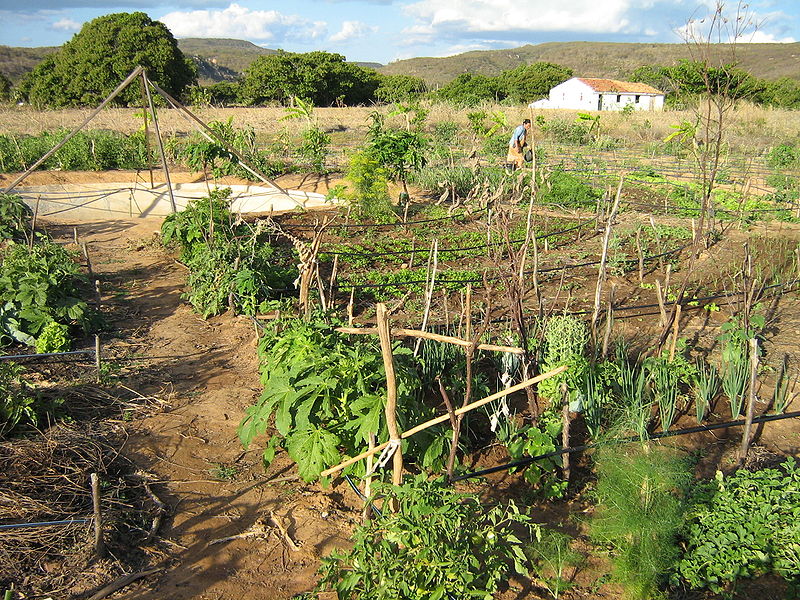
{"type": "Point", "coordinates": [387, 30]}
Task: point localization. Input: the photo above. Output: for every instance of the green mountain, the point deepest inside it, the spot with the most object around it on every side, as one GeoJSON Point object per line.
{"type": "Point", "coordinates": [598, 59]}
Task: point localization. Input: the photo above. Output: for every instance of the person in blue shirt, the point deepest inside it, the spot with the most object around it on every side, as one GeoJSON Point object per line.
{"type": "Point", "coordinates": [516, 145]}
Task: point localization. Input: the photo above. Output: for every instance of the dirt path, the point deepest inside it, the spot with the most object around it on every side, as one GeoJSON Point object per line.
{"type": "Point", "coordinates": [207, 371]}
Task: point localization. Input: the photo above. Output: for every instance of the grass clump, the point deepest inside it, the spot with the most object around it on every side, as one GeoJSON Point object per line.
{"type": "Point", "coordinates": [639, 514]}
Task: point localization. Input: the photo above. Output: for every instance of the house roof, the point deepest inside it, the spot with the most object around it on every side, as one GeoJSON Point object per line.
{"type": "Point", "coordinates": [623, 87]}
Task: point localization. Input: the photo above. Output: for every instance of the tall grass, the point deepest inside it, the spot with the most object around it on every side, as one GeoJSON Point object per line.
{"type": "Point", "coordinates": [639, 512]}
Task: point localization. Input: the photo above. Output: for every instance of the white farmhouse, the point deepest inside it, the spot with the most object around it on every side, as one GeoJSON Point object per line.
{"type": "Point", "coordinates": [587, 93]}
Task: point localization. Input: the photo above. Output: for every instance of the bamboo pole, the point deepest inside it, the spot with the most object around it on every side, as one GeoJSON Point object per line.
{"type": "Point", "coordinates": [146, 131]}
{"type": "Point", "coordinates": [443, 418]}
{"type": "Point", "coordinates": [385, 335]}
{"type": "Point", "coordinates": [609, 318]}
{"type": "Point", "coordinates": [134, 74]}
{"type": "Point", "coordinates": [434, 261]}
{"type": "Point", "coordinates": [33, 221]}
{"type": "Point", "coordinates": [415, 333]}
{"type": "Point", "coordinates": [751, 401]}
{"type": "Point", "coordinates": [601, 272]}
{"type": "Point", "coordinates": [160, 143]}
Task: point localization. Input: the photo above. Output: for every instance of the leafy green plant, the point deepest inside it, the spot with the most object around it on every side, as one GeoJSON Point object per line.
{"type": "Point", "coordinates": [399, 151]}
{"type": "Point", "coordinates": [15, 217]}
{"type": "Point", "coordinates": [551, 558]}
{"type": "Point", "coordinates": [534, 440]}
{"type": "Point", "coordinates": [740, 526]}
{"type": "Point", "coordinates": [565, 340]}
{"type": "Point", "coordinates": [639, 513]}
{"type": "Point", "coordinates": [324, 392]}
{"type": "Point", "coordinates": [369, 196]}
{"type": "Point", "coordinates": [17, 402]}
{"type": "Point", "coordinates": [706, 388]}
{"type": "Point", "coordinates": [53, 338]}
{"type": "Point", "coordinates": [38, 285]}
{"type": "Point", "coordinates": [736, 358]}
{"type": "Point", "coordinates": [664, 380]}
{"type": "Point", "coordinates": [230, 265]}
{"type": "Point", "coordinates": [439, 544]}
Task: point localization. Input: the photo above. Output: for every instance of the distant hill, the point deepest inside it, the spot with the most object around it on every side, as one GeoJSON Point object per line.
{"type": "Point", "coordinates": [16, 62]}
{"type": "Point", "coordinates": [220, 59]}
{"type": "Point", "coordinates": [595, 59]}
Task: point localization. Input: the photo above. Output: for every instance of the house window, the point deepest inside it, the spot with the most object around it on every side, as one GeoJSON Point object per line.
{"type": "Point", "coordinates": [619, 98]}
{"type": "Point", "coordinates": [637, 97]}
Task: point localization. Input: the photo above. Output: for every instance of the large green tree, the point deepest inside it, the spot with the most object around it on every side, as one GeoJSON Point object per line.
{"type": "Point", "coordinates": [470, 89]}
{"type": "Point", "coordinates": [321, 77]}
{"type": "Point", "coordinates": [88, 67]}
{"type": "Point", "coordinates": [531, 82]}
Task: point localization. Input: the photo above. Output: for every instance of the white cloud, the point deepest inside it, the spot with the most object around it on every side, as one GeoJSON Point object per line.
{"type": "Point", "coordinates": [351, 30]}
{"type": "Point", "coordinates": [762, 37]}
{"type": "Point", "coordinates": [66, 25]}
{"type": "Point", "coordinates": [474, 16]}
{"type": "Point", "coordinates": [243, 23]}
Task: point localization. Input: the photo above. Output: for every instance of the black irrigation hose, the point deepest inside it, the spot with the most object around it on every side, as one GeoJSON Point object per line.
{"type": "Point", "coordinates": [453, 250]}
{"type": "Point", "coordinates": [664, 434]}
{"type": "Point", "coordinates": [42, 524]}
{"type": "Point", "coordinates": [380, 225]}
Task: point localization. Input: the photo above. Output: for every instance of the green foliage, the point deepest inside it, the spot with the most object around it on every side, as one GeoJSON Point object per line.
{"type": "Point", "coordinates": [565, 340]}
{"type": "Point", "coordinates": [551, 558]}
{"type": "Point", "coordinates": [706, 388]}
{"type": "Point", "coordinates": [369, 196]}
{"type": "Point", "coordinates": [17, 402]}
{"type": "Point", "coordinates": [224, 93]}
{"type": "Point", "coordinates": [15, 218]}
{"type": "Point", "coordinates": [98, 150]}
{"type": "Point", "coordinates": [734, 339]}
{"type": "Point", "coordinates": [535, 440]}
{"type": "Point", "coordinates": [743, 525]}
{"type": "Point", "coordinates": [53, 338]}
{"type": "Point", "coordinates": [5, 88]}
{"type": "Point", "coordinates": [399, 88]}
{"type": "Point", "coordinates": [639, 512]}
{"type": "Point", "coordinates": [315, 142]}
{"type": "Point", "coordinates": [567, 190]}
{"type": "Point", "coordinates": [526, 83]}
{"type": "Point", "coordinates": [783, 156]}
{"type": "Point", "coordinates": [320, 77]}
{"type": "Point", "coordinates": [231, 265]}
{"type": "Point", "coordinates": [471, 89]}
{"type": "Point", "coordinates": [399, 151]}
{"type": "Point", "coordinates": [324, 391]}
{"type": "Point", "coordinates": [566, 132]}
{"type": "Point", "coordinates": [86, 69]}
{"type": "Point", "coordinates": [440, 544]}
{"type": "Point", "coordinates": [39, 285]}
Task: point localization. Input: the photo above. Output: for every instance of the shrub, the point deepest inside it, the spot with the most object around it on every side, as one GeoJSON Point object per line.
{"type": "Point", "coordinates": [566, 189]}
{"type": "Point", "coordinates": [783, 156]}
{"type": "Point", "coordinates": [439, 544]}
{"type": "Point", "coordinates": [742, 525]}
{"type": "Point", "coordinates": [15, 217]}
{"type": "Point", "coordinates": [369, 196]}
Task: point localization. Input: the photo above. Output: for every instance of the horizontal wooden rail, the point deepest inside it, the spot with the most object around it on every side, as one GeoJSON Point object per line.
{"type": "Point", "coordinates": [416, 333]}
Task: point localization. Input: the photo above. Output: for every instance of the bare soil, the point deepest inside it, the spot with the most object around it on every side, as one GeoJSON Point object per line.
{"type": "Point", "coordinates": [206, 373]}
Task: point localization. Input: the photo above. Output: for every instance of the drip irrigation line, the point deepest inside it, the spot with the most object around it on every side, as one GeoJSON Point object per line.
{"type": "Point", "coordinates": [43, 524]}
{"type": "Point", "coordinates": [656, 436]}
{"type": "Point", "coordinates": [380, 225]}
{"type": "Point", "coordinates": [45, 354]}
{"type": "Point", "coordinates": [453, 250]}
{"type": "Point", "coordinates": [362, 496]}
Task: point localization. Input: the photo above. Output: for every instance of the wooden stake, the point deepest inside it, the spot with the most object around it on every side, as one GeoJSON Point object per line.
{"type": "Point", "coordinates": [640, 253]}
{"type": "Point", "coordinates": [350, 307]}
{"type": "Point", "coordinates": [161, 152]}
{"type": "Point", "coordinates": [676, 325]}
{"type": "Point", "coordinates": [751, 401]}
{"type": "Point", "coordinates": [97, 362]}
{"type": "Point", "coordinates": [75, 235]}
{"type": "Point", "coordinates": [334, 273]}
{"type": "Point", "coordinates": [601, 272]}
{"type": "Point", "coordinates": [565, 430]}
{"type": "Point", "coordinates": [662, 308]}
{"type": "Point", "coordinates": [441, 419]}
{"type": "Point", "coordinates": [99, 545]}
{"type": "Point", "coordinates": [447, 339]}
{"type": "Point", "coordinates": [88, 260]}
{"type": "Point", "coordinates": [385, 336]}
{"type": "Point", "coordinates": [33, 221]}
{"type": "Point", "coordinates": [609, 318]}
{"type": "Point", "coordinates": [429, 292]}
{"type": "Point", "coordinates": [368, 480]}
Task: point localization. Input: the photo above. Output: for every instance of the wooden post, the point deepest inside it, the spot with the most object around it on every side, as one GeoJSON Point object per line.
{"type": "Point", "coordinates": [33, 221]}
{"type": "Point", "coordinates": [146, 130]}
{"type": "Point", "coordinates": [391, 391]}
{"type": "Point", "coordinates": [431, 277]}
{"type": "Point", "coordinates": [97, 362]}
{"type": "Point", "coordinates": [350, 307]}
{"type": "Point", "coordinates": [75, 235]}
{"type": "Point", "coordinates": [160, 142]}
{"type": "Point", "coordinates": [565, 430]}
{"type": "Point", "coordinates": [661, 307]}
{"type": "Point", "coordinates": [640, 254]}
{"type": "Point", "coordinates": [676, 325]}
{"type": "Point", "coordinates": [368, 480]}
{"type": "Point", "coordinates": [98, 299]}
{"type": "Point", "coordinates": [86, 256]}
{"type": "Point", "coordinates": [609, 318]}
{"type": "Point", "coordinates": [751, 401]}
{"type": "Point", "coordinates": [334, 273]}
{"type": "Point", "coordinates": [601, 272]}
{"type": "Point", "coordinates": [99, 545]}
